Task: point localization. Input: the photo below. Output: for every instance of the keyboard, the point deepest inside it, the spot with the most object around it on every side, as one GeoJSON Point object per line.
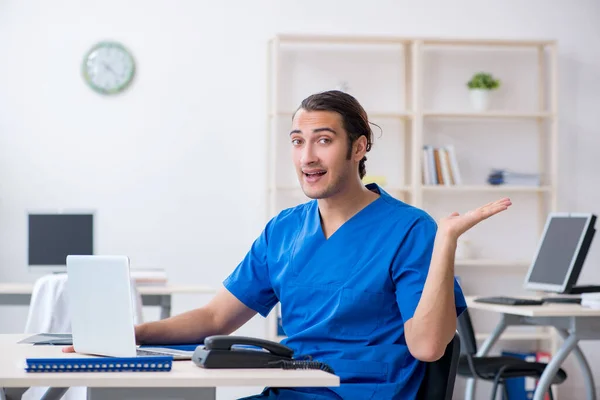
{"type": "Point", "coordinates": [176, 354]}
{"type": "Point", "coordinates": [151, 353]}
{"type": "Point", "coordinates": [563, 300]}
{"type": "Point", "coordinates": [510, 301]}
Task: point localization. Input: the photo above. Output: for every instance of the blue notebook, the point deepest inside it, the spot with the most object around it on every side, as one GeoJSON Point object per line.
{"type": "Point", "coordinates": [99, 364]}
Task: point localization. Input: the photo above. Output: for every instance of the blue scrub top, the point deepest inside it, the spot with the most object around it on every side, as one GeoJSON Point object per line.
{"type": "Point", "coordinates": [344, 300]}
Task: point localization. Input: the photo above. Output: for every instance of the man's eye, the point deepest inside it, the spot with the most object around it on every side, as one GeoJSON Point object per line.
{"type": "Point", "coordinates": [295, 142]}
{"type": "Point", "coordinates": [325, 140]}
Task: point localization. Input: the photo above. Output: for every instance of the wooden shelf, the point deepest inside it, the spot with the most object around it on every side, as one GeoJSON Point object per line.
{"type": "Point", "coordinates": [485, 188]}
{"type": "Point", "coordinates": [342, 39]}
{"type": "Point", "coordinates": [443, 114]}
{"type": "Point", "coordinates": [492, 263]}
{"type": "Point", "coordinates": [441, 188]}
{"type": "Point", "coordinates": [401, 189]}
{"type": "Point", "coordinates": [401, 115]}
{"type": "Point", "coordinates": [487, 115]}
{"type": "Point", "coordinates": [405, 115]}
{"type": "Point", "coordinates": [431, 41]}
{"type": "Point", "coordinates": [487, 42]}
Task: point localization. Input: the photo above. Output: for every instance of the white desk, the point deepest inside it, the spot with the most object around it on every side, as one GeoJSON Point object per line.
{"type": "Point", "coordinates": [185, 376]}
{"type": "Point", "coordinates": [20, 294]}
{"type": "Point", "coordinates": [572, 322]}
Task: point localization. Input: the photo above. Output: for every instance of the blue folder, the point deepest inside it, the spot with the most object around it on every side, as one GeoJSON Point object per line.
{"type": "Point", "coordinates": [100, 364]}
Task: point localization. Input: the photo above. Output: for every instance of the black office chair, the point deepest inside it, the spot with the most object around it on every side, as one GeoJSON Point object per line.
{"type": "Point", "coordinates": [438, 382]}
{"type": "Point", "coordinates": [496, 369]}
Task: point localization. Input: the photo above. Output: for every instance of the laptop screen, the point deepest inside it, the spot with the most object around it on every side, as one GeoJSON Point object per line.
{"type": "Point", "coordinates": [560, 246]}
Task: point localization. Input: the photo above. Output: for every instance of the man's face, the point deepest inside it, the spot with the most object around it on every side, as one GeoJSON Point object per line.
{"type": "Point", "coordinates": [320, 153]}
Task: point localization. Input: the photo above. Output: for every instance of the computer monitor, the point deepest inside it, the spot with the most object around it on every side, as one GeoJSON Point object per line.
{"type": "Point", "coordinates": [561, 252]}
{"type": "Point", "coordinates": [54, 236]}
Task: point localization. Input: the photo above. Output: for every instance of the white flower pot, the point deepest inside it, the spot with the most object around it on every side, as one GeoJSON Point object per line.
{"type": "Point", "coordinates": [480, 99]}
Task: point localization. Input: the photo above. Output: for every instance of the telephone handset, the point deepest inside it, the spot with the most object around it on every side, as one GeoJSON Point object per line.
{"type": "Point", "coordinates": [224, 342]}
{"type": "Point", "coordinates": [223, 351]}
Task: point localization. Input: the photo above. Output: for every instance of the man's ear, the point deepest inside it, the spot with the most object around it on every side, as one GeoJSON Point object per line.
{"type": "Point", "coordinates": [359, 148]}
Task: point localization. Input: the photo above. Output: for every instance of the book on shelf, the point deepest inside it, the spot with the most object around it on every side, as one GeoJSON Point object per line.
{"type": "Point", "coordinates": [440, 166]}
{"type": "Point", "coordinates": [507, 177]}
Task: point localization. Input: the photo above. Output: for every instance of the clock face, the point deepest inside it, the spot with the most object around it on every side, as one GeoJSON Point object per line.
{"type": "Point", "coordinates": [108, 68]}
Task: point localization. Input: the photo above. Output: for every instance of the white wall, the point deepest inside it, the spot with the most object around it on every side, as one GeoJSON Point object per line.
{"type": "Point", "coordinates": [175, 166]}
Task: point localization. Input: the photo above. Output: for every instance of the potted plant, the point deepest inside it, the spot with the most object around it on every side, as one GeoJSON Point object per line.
{"type": "Point", "coordinates": [480, 86]}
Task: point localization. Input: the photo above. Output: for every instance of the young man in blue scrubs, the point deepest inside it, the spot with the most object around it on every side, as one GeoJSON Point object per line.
{"type": "Point", "coordinates": [366, 282]}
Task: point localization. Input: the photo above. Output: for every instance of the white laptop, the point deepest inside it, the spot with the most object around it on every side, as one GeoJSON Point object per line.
{"type": "Point", "coordinates": [101, 308]}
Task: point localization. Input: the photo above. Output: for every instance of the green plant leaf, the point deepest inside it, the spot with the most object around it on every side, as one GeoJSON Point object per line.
{"type": "Point", "coordinates": [483, 80]}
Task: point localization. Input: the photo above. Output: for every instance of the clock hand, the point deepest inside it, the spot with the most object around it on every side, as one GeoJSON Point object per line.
{"type": "Point", "coordinates": [109, 68]}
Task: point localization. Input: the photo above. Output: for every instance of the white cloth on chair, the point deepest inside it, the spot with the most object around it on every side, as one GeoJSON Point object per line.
{"type": "Point", "coordinates": [49, 313]}
{"type": "Point", "coordinates": [49, 307]}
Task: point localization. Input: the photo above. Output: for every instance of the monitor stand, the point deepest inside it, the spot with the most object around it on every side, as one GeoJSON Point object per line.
{"type": "Point", "coordinates": [584, 289]}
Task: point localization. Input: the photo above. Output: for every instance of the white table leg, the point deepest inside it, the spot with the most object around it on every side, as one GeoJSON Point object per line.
{"type": "Point", "coordinates": [17, 393]}
{"type": "Point", "coordinates": [553, 366]}
{"type": "Point", "coordinates": [12, 393]}
{"type": "Point", "coordinates": [483, 351]}
{"type": "Point", "coordinates": [590, 386]}
{"type": "Point", "coordinates": [175, 393]}
{"type": "Point", "coordinates": [54, 393]}
{"type": "Point", "coordinates": [165, 306]}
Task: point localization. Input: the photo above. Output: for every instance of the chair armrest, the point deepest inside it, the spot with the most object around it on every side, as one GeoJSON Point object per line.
{"type": "Point", "coordinates": [472, 368]}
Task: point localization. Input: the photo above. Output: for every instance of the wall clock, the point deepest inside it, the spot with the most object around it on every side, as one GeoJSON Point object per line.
{"type": "Point", "coordinates": [108, 68]}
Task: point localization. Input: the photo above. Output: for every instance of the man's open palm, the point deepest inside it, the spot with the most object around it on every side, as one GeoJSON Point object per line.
{"type": "Point", "coordinates": [456, 224]}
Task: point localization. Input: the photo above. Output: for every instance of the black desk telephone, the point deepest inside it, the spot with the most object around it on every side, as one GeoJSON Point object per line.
{"type": "Point", "coordinates": [219, 352]}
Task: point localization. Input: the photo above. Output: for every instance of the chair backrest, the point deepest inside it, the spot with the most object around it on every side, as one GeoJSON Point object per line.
{"type": "Point", "coordinates": [438, 383]}
{"type": "Point", "coordinates": [49, 306]}
{"type": "Point", "coordinates": [467, 333]}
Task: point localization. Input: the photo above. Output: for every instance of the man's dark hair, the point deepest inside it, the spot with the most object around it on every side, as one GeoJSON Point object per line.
{"type": "Point", "coordinates": [354, 118]}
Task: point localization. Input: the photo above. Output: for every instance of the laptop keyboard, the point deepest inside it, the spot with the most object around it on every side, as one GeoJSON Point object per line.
{"type": "Point", "coordinates": [512, 301]}
{"type": "Point", "coordinates": [176, 354]}
{"type": "Point", "coordinates": [141, 352]}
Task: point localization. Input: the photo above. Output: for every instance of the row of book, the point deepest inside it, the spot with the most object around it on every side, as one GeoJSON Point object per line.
{"type": "Point", "coordinates": [440, 166]}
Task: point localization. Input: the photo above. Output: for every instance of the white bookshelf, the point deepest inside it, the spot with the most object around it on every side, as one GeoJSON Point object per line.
{"type": "Point", "coordinates": [401, 82]}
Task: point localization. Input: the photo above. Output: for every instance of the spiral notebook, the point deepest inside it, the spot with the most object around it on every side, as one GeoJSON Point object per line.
{"type": "Point", "coordinates": [97, 364]}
